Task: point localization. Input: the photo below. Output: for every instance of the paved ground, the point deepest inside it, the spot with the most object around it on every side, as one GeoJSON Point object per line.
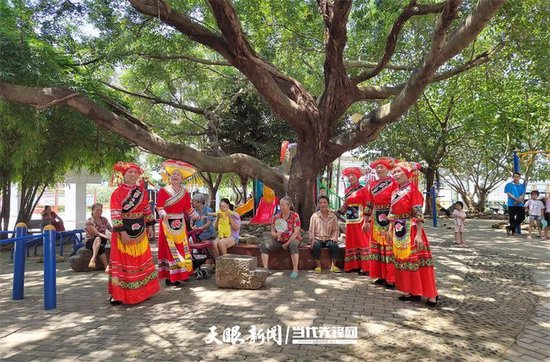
{"type": "Point", "coordinates": [495, 306]}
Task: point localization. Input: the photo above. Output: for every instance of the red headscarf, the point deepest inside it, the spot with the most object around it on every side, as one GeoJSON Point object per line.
{"type": "Point", "coordinates": [123, 167]}
{"type": "Point", "coordinates": [387, 162]}
{"type": "Point", "coordinates": [352, 171]}
{"type": "Point", "coordinates": [409, 168]}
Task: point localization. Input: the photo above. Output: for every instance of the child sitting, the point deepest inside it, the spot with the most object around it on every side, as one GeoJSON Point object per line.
{"type": "Point", "coordinates": [459, 217]}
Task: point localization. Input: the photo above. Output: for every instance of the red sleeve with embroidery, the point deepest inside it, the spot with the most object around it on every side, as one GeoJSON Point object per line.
{"type": "Point", "coordinates": [116, 209]}
{"type": "Point", "coordinates": [187, 205]}
{"type": "Point", "coordinates": [368, 199]}
{"type": "Point", "coordinates": [417, 201]}
{"type": "Point", "coordinates": [148, 215]}
{"type": "Point", "coordinates": [162, 196]}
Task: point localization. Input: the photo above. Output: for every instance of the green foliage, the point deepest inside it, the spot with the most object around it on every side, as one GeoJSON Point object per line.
{"type": "Point", "coordinates": [38, 146]}
{"type": "Point", "coordinates": [249, 127]}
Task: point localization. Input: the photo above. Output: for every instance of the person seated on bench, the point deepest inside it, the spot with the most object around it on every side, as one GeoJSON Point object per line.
{"type": "Point", "coordinates": [96, 236]}
{"type": "Point", "coordinates": [51, 218]}
{"type": "Point", "coordinates": [204, 223]}
{"type": "Point", "coordinates": [323, 233]}
{"type": "Point", "coordinates": [227, 235]}
{"type": "Point", "coordinates": [285, 232]}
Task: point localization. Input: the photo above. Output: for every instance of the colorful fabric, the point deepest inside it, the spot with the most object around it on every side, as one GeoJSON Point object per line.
{"type": "Point", "coordinates": [174, 256]}
{"type": "Point", "coordinates": [357, 247]}
{"type": "Point", "coordinates": [380, 242]}
{"type": "Point", "coordinates": [414, 270]}
{"type": "Point", "coordinates": [293, 221]}
{"type": "Point", "coordinates": [102, 226]}
{"type": "Point", "coordinates": [132, 275]}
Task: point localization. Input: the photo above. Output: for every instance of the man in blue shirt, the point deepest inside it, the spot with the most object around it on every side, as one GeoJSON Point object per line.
{"type": "Point", "coordinates": [516, 196]}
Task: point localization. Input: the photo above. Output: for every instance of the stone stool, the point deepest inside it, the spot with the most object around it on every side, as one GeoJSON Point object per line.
{"type": "Point", "coordinates": [239, 272]}
{"type": "Point", "coordinates": [79, 261]}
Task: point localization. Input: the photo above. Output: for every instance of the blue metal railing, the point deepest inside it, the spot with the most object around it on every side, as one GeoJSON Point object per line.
{"type": "Point", "coordinates": [76, 236]}
{"type": "Point", "coordinates": [20, 240]}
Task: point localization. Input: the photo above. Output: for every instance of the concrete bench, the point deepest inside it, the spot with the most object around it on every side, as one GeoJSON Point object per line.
{"type": "Point", "coordinates": [280, 259]}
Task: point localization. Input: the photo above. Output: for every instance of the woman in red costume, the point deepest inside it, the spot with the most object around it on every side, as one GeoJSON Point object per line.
{"type": "Point", "coordinates": [357, 252]}
{"type": "Point", "coordinates": [132, 274]}
{"type": "Point", "coordinates": [414, 270]}
{"type": "Point", "coordinates": [379, 193]}
{"type": "Point", "coordinates": [173, 205]}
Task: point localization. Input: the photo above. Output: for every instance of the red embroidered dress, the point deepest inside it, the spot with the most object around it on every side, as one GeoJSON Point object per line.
{"type": "Point", "coordinates": [380, 246]}
{"type": "Point", "coordinates": [414, 270]}
{"type": "Point", "coordinates": [133, 275]}
{"type": "Point", "coordinates": [357, 251]}
{"type": "Point", "coordinates": [174, 257]}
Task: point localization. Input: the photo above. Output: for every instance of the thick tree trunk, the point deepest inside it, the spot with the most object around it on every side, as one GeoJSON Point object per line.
{"type": "Point", "coordinates": [301, 186]}
{"type": "Point", "coordinates": [483, 193]}
{"type": "Point", "coordinates": [468, 200]}
{"type": "Point", "coordinates": [430, 179]}
{"type": "Point", "coordinates": [30, 194]}
{"type": "Point", "coordinates": [5, 189]}
{"type": "Point", "coordinates": [244, 184]}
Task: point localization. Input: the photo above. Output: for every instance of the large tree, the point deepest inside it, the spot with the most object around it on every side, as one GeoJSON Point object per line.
{"type": "Point", "coordinates": [319, 116]}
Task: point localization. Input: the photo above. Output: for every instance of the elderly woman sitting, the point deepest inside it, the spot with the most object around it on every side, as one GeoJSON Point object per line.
{"type": "Point", "coordinates": [285, 232]}
{"type": "Point", "coordinates": [97, 235]}
{"type": "Point", "coordinates": [205, 222]}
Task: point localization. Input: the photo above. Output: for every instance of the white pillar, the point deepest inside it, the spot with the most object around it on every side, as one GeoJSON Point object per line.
{"type": "Point", "coordinates": [69, 216]}
{"type": "Point", "coordinates": [75, 205]}
{"type": "Point", "coordinates": [14, 204]}
{"type": "Point", "coordinates": [80, 204]}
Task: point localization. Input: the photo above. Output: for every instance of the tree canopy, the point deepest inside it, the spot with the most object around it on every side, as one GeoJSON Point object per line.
{"type": "Point", "coordinates": [180, 65]}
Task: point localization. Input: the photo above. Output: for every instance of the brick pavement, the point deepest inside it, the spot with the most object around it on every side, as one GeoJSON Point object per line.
{"type": "Point", "coordinates": [494, 306]}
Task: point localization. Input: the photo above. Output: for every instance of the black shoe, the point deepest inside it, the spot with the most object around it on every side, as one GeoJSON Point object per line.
{"type": "Point", "coordinates": [171, 284]}
{"type": "Point", "coordinates": [363, 273]}
{"type": "Point", "coordinates": [410, 298]}
{"type": "Point", "coordinates": [380, 282]}
{"type": "Point", "coordinates": [114, 302]}
{"type": "Point", "coordinates": [389, 286]}
{"type": "Point", "coordinates": [432, 304]}
{"type": "Point", "coordinates": [352, 271]}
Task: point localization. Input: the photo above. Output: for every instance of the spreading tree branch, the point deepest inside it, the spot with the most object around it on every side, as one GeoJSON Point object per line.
{"type": "Point", "coordinates": [238, 163]}
{"type": "Point", "coordinates": [157, 100]}
{"type": "Point", "coordinates": [335, 16]}
{"type": "Point", "coordinates": [410, 10]}
{"type": "Point", "coordinates": [441, 51]}
{"type": "Point", "coordinates": [286, 97]}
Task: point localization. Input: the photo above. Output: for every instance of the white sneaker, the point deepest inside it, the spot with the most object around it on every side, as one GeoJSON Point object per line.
{"type": "Point", "coordinates": [529, 237]}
